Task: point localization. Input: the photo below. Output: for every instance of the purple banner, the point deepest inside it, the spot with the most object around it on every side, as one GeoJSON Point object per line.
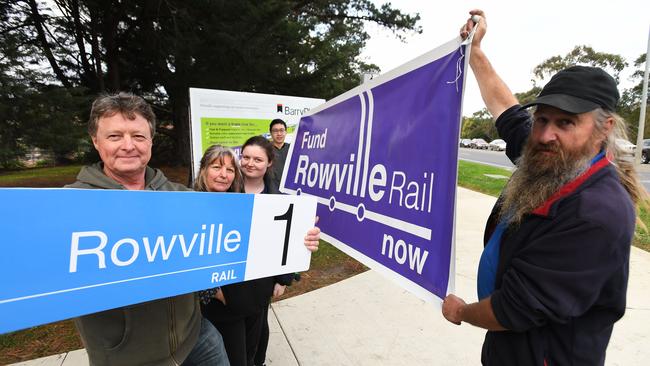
{"type": "Point", "coordinates": [382, 160]}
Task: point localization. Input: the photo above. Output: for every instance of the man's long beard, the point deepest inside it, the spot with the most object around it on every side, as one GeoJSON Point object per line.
{"type": "Point", "coordinates": [538, 176]}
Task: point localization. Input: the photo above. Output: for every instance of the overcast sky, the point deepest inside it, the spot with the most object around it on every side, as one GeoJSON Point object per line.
{"type": "Point", "coordinates": [521, 34]}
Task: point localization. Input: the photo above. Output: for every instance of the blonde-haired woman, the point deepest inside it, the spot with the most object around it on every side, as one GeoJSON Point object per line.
{"type": "Point", "coordinates": [236, 310]}
{"type": "Point", "coordinates": [219, 171]}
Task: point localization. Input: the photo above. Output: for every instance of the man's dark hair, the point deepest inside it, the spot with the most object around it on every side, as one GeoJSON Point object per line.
{"type": "Point", "coordinates": [276, 122]}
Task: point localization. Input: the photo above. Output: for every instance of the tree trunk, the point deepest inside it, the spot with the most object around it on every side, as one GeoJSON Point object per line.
{"type": "Point", "coordinates": [45, 46]}
{"type": "Point", "coordinates": [87, 74]}
{"type": "Point", "coordinates": [180, 101]}
{"type": "Point", "coordinates": [109, 32]}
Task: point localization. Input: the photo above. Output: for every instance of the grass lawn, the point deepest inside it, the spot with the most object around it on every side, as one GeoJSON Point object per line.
{"type": "Point", "coordinates": [642, 237]}
{"type": "Point", "coordinates": [473, 176]}
{"type": "Point", "coordinates": [40, 177]}
{"type": "Point", "coordinates": [328, 265]}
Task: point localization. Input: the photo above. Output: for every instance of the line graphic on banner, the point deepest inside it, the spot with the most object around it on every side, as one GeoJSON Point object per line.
{"type": "Point", "coordinates": [114, 282]}
{"type": "Point", "coordinates": [360, 211]}
{"type": "Point", "coordinates": [368, 93]}
{"type": "Point", "coordinates": [360, 148]}
{"type": "Point", "coordinates": [393, 222]}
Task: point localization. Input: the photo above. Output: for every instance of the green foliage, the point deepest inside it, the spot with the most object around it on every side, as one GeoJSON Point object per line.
{"type": "Point", "coordinates": [630, 105]}
{"type": "Point", "coordinates": [11, 130]}
{"type": "Point", "coordinates": [10, 149]}
{"type": "Point", "coordinates": [34, 112]}
{"type": "Point", "coordinates": [158, 49]}
{"type": "Point", "coordinates": [10, 90]}
{"type": "Point", "coordinates": [54, 120]}
{"type": "Point", "coordinates": [479, 125]}
{"type": "Point", "coordinates": [528, 96]}
{"type": "Point", "coordinates": [43, 116]}
{"type": "Point", "coordinates": [581, 55]}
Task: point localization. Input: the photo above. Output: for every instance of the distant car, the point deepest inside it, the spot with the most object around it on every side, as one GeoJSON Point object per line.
{"type": "Point", "coordinates": [497, 145]}
{"type": "Point", "coordinates": [465, 142]}
{"type": "Point", "coordinates": [626, 146]}
{"type": "Point", "coordinates": [645, 153]}
{"type": "Point", "coordinates": [478, 144]}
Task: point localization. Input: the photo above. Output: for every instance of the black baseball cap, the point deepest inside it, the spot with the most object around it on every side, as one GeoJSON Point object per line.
{"type": "Point", "coordinates": [579, 89]}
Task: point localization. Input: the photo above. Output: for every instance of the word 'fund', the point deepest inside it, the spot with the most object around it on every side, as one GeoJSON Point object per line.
{"type": "Point", "coordinates": [403, 190]}
{"type": "Point", "coordinates": [314, 141]}
{"type": "Point", "coordinates": [229, 242]}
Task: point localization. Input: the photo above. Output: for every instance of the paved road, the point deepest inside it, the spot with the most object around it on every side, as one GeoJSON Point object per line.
{"type": "Point", "coordinates": [496, 158]}
{"type": "Point", "coordinates": [499, 158]}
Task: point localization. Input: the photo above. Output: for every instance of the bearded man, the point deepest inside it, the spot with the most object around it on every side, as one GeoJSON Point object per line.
{"type": "Point", "coordinates": [553, 275]}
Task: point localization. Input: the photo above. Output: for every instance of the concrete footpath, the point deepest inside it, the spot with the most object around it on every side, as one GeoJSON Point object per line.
{"type": "Point", "coordinates": [367, 320]}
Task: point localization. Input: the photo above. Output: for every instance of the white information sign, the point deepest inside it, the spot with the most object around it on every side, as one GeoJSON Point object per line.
{"type": "Point", "coordinates": [229, 118]}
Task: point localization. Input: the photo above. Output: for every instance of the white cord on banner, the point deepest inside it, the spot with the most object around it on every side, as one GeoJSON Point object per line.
{"type": "Point", "coordinates": [459, 71]}
{"type": "Point", "coordinates": [468, 40]}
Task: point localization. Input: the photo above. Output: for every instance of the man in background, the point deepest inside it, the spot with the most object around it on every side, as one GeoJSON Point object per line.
{"type": "Point", "coordinates": [278, 130]}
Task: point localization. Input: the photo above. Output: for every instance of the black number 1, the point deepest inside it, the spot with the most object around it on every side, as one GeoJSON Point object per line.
{"type": "Point", "coordinates": [286, 216]}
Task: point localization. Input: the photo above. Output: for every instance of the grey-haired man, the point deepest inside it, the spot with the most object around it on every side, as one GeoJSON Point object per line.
{"type": "Point", "coordinates": [167, 331]}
